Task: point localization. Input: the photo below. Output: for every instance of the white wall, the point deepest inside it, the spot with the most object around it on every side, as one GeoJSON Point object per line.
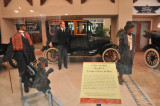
{"type": "Point", "coordinates": [60, 8]}
{"type": "Point", "coordinates": [120, 12]}
{"type": "Point", "coordinates": [1, 2]}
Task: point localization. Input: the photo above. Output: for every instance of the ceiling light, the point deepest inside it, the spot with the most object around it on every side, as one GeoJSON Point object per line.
{"type": "Point", "coordinates": [66, 14]}
{"type": "Point", "coordinates": [31, 11]}
{"type": "Point", "coordinates": [16, 11]}
{"type": "Point", "coordinates": [19, 7]}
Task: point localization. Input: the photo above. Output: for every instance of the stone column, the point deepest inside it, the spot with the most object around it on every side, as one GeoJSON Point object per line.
{"type": "Point", "coordinates": [44, 36]}
{"type": "Point", "coordinates": [156, 21]}
{"type": "Point", "coordinates": [8, 29]}
{"type": "Point", "coordinates": [124, 14]}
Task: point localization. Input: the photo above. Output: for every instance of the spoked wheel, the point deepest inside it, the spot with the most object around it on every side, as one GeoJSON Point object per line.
{"type": "Point", "coordinates": [13, 62]}
{"type": "Point", "coordinates": [151, 58]}
{"type": "Point", "coordinates": [52, 55]}
{"type": "Point", "coordinates": [110, 55]}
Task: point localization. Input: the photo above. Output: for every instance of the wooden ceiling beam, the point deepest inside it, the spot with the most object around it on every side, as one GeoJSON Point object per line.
{"type": "Point", "coordinates": [43, 1]}
{"type": "Point", "coordinates": [6, 2]}
{"type": "Point", "coordinates": [134, 1]}
{"type": "Point", "coordinates": [70, 1]}
{"type": "Point", "coordinates": [83, 1]}
{"type": "Point", "coordinates": [113, 1]}
{"type": "Point", "coordinates": [30, 2]}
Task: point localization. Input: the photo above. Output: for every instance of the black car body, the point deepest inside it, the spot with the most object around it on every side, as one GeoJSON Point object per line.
{"type": "Point", "coordinates": [3, 49]}
{"type": "Point", "coordinates": [152, 50]}
{"type": "Point", "coordinates": [82, 40]}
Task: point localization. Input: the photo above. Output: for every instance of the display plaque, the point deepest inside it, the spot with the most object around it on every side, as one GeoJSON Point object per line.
{"type": "Point", "coordinates": [100, 83]}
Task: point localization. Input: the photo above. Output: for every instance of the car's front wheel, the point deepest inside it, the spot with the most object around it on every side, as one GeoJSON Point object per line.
{"type": "Point", "coordinates": [151, 58]}
{"type": "Point", "coordinates": [52, 55]}
{"type": "Point", "coordinates": [110, 55]}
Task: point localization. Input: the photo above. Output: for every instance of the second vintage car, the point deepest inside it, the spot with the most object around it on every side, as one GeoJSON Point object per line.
{"type": "Point", "coordinates": [3, 49]}
{"type": "Point", "coordinates": [152, 50]}
{"type": "Point", "coordinates": [83, 42]}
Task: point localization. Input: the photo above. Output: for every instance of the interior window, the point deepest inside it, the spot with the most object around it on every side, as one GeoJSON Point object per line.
{"type": "Point", "coordinates": [82, 28]}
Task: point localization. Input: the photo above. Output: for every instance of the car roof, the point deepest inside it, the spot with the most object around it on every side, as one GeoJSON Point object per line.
{"type": "Point", "coordinates": [69, 20]}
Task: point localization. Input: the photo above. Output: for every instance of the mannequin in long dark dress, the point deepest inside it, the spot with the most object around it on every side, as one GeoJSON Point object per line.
{"type": "Point", "coordinates": [127, 46]}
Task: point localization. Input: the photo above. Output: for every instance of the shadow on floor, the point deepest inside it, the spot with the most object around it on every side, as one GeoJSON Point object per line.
{"type": "Point", "coordinates": [3, 67]}
{"type": "Point", "coordinates": [84, 59]}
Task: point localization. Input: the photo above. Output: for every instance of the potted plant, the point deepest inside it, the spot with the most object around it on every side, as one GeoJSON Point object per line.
{"type": "Point", "coordinates": [120, 32]}
{"type": "Point", "coordinates": [101, 31]}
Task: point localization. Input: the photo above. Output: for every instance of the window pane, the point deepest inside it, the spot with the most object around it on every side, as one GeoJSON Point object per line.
{"type": "Point", "coordinates": [71, 28]}
{"type": "Point", "coordinates": [81, 28]}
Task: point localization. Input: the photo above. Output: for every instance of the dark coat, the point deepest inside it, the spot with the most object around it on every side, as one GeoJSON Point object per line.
{"type": "Point", "coordinates": [63, 38]}
{"type": "Point", "coordinates": [23, 57]}
{"type": "Point", "coordinates": [124, 65]}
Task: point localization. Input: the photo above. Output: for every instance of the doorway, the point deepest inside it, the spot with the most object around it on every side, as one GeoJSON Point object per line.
{"type": "Point", "coordinates": [140, 27]}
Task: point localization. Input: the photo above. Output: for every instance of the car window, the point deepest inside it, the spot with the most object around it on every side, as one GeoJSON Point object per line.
{"type": "Point", "coordinates": [53, 26]}
{"type": "Point", "coordinates": [81, 28]}
{"type": "Point", "coordinates": [71, 27]}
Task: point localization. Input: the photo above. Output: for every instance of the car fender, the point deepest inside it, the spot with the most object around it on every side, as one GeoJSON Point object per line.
{"type": "Point", "coordinates": [108, 46]}
{"type": "Point", "coordinates": [151, 46]}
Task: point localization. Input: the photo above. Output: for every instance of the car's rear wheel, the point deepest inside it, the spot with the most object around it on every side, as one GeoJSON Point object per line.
{"type": "Point", "coordinates": [151, 58]}
{"type": "Point", "coordinates": [52, 55]}
{"type": "Point", "coordinates": [13, 62]}
{"type": "Point", "coordinates": [110, 55]}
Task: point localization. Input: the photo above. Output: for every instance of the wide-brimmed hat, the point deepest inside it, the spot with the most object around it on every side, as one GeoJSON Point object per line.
{"type": "Point", "coordinates": [129, 25]}
{"type": "Point", "coordinates": [20, 22]}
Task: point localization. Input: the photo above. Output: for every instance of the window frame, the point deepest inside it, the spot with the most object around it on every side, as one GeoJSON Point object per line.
{"type": "Point", "coordinates": [75, 25]}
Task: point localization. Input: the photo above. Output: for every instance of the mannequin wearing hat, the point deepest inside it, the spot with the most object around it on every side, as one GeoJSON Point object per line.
{"type": "Point", "coordinates": [127, 46]}
{"type": "Point", "coordinates": [22, 47]}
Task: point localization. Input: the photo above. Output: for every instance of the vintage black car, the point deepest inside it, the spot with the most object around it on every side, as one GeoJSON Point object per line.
{"type": "Point", "coordinates": [3, 49]}
{"type": "Point", "coordinates": [152, 51]}
{"type": "Point", "coordinates": [83, 42]}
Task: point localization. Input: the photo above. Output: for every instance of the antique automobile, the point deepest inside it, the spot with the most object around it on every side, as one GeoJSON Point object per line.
{"type": "Point", "coordinates": [152, 51]}
{"type": "Point", "coordinates": [3, 49]}
{"type": "Point", "coordinates": [82, 42]}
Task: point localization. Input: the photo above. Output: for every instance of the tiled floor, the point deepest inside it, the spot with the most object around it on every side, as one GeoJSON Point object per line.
{"type": "Point", "coordinates": [146, 79]}
{"type": "Point", "coordinates": [66, 84]}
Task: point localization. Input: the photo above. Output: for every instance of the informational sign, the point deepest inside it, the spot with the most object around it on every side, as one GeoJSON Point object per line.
{"type": "Point", "coordinates": [146, 9]}
{"type": "Point", "coordinates": [100, 83]}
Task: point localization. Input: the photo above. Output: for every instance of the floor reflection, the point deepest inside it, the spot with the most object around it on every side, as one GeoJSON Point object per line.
{"type": "Point", "coordinates": [81, 59]}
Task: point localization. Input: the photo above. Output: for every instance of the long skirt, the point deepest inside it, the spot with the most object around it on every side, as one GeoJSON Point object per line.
{"type": "Point", "coordinates": [124, 66]}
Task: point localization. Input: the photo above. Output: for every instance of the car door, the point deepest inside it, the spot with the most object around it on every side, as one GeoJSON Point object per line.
{"type": "Point", "coordinates": [79, 41]}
